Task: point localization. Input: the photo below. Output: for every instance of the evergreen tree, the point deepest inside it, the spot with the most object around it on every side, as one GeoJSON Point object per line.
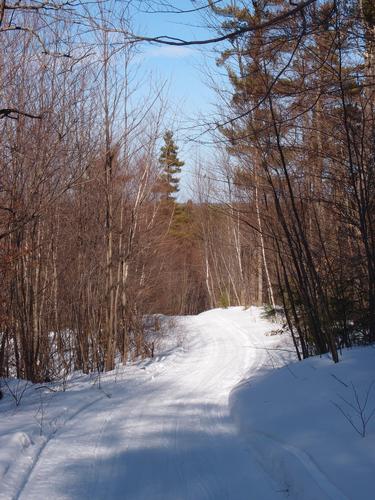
{"type": "Point", "coordinates": [170, 167]}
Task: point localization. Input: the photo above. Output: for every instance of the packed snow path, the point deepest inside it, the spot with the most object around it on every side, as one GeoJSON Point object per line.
{"type": "Point", "coordinates": [164, 431]}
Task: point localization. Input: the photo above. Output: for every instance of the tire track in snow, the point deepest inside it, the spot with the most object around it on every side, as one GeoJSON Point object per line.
{"type": "Point", "coordinates": [49, 438]}
{"type": "Point", "coordinates": [213, 379]}
{"type": "Point", "coordinates": [284, 467]}
{"type": "Point", "coordinates": [313, 470]}
{"type": "Point", "coordinates": [171, 437]}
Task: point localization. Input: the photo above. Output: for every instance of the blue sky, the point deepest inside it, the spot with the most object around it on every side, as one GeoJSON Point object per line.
{"type": "Point", "coordinates": [183, 68]}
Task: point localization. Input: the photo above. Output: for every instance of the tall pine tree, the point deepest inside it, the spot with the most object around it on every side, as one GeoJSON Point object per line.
{"type": "Point", "coordinates": [170, 167]}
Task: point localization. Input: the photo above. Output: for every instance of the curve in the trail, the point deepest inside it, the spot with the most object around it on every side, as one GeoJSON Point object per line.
{"type": "Point", "coordinates": [170, 437]}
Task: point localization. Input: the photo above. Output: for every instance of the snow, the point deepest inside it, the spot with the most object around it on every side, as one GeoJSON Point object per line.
{"type": "Point", "coordinates": [217, 414]}
{"type": "Point", "coordinates": [294, 418]}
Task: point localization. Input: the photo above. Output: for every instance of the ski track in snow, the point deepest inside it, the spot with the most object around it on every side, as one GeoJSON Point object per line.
{"type": "Point", "coordinates": [170, 436]}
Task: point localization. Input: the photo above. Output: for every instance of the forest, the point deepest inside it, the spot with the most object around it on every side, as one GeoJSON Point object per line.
{"type": "Point", "coordinates": [94, 240]}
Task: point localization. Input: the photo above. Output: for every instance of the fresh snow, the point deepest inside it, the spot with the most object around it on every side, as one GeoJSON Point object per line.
{"type": "Point", "coordinates": [217, 414]}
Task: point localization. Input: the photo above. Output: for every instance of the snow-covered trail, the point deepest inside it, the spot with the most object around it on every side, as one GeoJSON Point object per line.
{"type": "Point", "coordinates": [166, 432]}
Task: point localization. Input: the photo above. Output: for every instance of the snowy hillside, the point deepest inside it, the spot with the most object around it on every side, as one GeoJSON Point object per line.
{"type": "Point", "coordinates": [215, 415]}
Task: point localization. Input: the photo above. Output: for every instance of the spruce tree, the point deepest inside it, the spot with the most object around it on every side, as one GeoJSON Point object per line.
{"type": "Point", "coordinates": [170, 167]}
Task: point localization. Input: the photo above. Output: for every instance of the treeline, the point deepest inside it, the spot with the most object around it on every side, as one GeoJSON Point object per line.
{"type": "Point", "coordinates": [76, 177]}
{"type": "Point", "coordinates": [300, 130]}
{"type": "Point", "coordinates": [80, 218]}
{"type": "Point", "coordinates": [92, 238]}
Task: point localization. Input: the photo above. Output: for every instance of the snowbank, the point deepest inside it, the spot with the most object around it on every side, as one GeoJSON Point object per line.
{"type": "Point", "coordinates": [304, 421]}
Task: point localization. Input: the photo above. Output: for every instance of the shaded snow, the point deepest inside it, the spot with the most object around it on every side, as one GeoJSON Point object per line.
{"type": "Point", "coordinates": [292, 418]}
{"type": "Point", "coordinates": [211, 417]}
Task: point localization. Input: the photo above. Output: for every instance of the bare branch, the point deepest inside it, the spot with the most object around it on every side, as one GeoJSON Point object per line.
{"type": "Point", "coordinates": [167, 40]}
{"type": "Point", "coordinates": [14, 114]}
